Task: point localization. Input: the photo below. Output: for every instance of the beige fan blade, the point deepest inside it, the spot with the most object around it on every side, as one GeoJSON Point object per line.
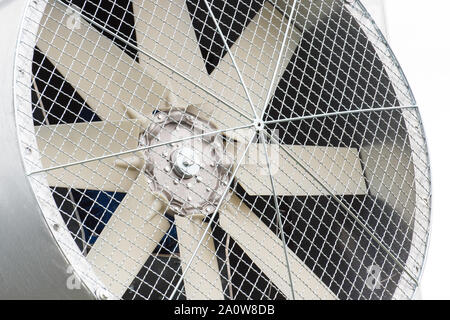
{"type": "Point", "coordinates": [202, 280]}
{"type": "Point", "coordinates": [256, 54]}
{"type": "Point", "coordinates": [130, 236]}
{"type": "Point", "coordinates": [266, 250]}
{"type": "Point", "coordinates": [165, 30]}
{"type": "Point", "coordinates": [338, 168]}
{"type": "Point", "coordinates": [103, 74]}
{"type": "Point", "coordinates": [67, 143]}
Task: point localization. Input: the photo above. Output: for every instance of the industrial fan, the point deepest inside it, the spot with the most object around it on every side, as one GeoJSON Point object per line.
{"type": "Point", "coordinates": [208, 149]}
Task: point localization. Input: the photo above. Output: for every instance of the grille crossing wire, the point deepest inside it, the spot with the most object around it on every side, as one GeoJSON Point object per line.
{"type": "Point", "coordinates": [206, 149]}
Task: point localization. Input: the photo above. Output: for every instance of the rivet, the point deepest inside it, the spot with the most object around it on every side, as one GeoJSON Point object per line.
{"type": "Point", "coordinates": [167, 169]}
{"type": "Point", "coordinates": [102, 294]}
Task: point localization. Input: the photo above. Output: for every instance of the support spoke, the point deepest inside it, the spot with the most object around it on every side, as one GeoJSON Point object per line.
{"type": "Point", "coordinates": [188, 265]}
{"type": "Point", "coordinates": [338, 113]}
{"type": "Point", "coordinates": [219, 30]}
{"type": "Point", "coordinates": [138, 149]}
{"type": "Point", "coordinates": [280, 224]}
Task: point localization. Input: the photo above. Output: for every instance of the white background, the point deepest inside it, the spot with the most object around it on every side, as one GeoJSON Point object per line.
{"type": "Point", "coordinates": [419, 33]}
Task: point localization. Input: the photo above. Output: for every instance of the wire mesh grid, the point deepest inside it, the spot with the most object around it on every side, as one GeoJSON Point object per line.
{"type": "Point", "coordinates": [224, 149]}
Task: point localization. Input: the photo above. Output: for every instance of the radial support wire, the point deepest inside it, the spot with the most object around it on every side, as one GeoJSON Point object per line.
{"type": "Point", "coordinates": [165, 65]}
{"type": "Point", "coordinates": [232, 57]}
{"type": "Point", "coordinates": [338, 113]}
{"type": "Point", "coordinates": [188, 265]}
{"type": "Point", "coordinates": [347, 209]}
{"type": "Point", "coordinates": [227, 261]}
{"type": "Point", "coordinates": [280, 223]}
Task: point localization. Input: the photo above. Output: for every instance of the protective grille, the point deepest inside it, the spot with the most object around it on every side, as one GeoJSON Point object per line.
{"type": "Point", "coordinates": [206, 149]}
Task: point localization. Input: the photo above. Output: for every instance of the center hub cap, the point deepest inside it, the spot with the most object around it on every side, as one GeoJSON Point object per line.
{"type": "Point", "coordinates": [191, 172]}
{"type": "Point", "coordinates": [186, 163]}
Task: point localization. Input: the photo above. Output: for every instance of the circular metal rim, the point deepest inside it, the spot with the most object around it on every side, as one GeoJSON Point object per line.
{"type": "Point", "coordinates": [62, 236]}
{"type": "Point", "coordinates": [82, 270]}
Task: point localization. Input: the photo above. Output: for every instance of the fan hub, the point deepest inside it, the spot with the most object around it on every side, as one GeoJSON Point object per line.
{"type": "Point", "coordinates": [190, 172]}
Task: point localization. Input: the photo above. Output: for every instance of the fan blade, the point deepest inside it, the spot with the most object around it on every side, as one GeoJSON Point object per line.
{"type": "Point", "coordinates": [310, 12]}
{"type": "Point", "coordinates": [130, 236]}
{"type": "Point", "coordinates": [338, 168]}
{"type": "Point", "coordinates": [67, 143]}
{"type": "Point", "coordinates": [103, 74]}
{"type": "Point", "coordinates": [266, 250]}
{"type": "Point", "coordinates": [202, 280]}
{"type": "Point", "coordinates": [164, 29]}
{"type": "Point", "coordinates": [256, 54]}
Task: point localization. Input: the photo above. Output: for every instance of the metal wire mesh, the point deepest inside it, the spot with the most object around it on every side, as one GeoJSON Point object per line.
{"type": "Point", "coordinates": [314, 177]}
